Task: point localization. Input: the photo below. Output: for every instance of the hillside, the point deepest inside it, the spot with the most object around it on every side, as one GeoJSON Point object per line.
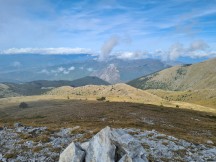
{"type": "Point", "coordinates": [117, 92]}
{"type": "Point", "coordinates": [121, 93]}
{"type": "Point", "coordinates": [89, 80]}
{"type": "Point", "coordinates": [188, 77]}
{"type": "Point", "coordinates": [5, 91]}
{"type": "Point", "coordinates": [204, 97]}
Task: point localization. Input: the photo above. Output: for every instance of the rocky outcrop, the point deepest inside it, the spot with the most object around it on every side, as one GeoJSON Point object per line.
{"type": "Point", "coordinates": [109, 145]}
{"type": "Point", "coordinates": [27, 143]}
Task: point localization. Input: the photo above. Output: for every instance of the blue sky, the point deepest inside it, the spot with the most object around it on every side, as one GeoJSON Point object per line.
{"type": "Point", "coordinates": [128, 29]}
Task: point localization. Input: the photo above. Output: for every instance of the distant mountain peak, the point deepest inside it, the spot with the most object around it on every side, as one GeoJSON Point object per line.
{"type": "Point", "coordinates": [110, 74]}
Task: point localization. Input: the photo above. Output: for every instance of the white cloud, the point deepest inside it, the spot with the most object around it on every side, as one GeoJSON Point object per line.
{"type": "Point", "coordinates": [71, 68]}
{"type": "Point", "coordinates": [196, 49]}
{"type": "Point", "coordinates": [66, 72]}
{"type": "Point", "coordinates": [44, 71]}
{"type": "Point", "coordinates": [50, 51]}
{"type": "Point", "coordinates": [90, 69]}
{"type": "Point", "coordinates": [16, 64]}
{"type": "Point", "coordinates": [131, 55]}
{"type": "Point", "coordinates": [175, 51]}
{"type": "Point", "coordinates": [198, 45]}
{"type": "Point", "coordinates": [60, 69]}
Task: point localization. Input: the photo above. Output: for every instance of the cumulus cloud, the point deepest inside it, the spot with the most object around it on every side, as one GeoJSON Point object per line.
{"type": "Point", "coordinates": [198, 45]}
{"type": "Point", "coordinates": [51, 51]}
{"type": "Point", "coordinates": [175, 51]}
{"type": "Point", "coordinates": [60, 69]}
{"type": "Point", "coordinates": [71, 68]}
{"type": "Point", "coordinates": [197, 48]}
{"type": "Point", "coordinates": [108, 46]}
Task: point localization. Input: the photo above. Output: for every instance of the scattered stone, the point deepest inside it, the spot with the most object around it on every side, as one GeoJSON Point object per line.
{"type": "Point", "coordinates": [16, 125]}
{"type": "Point", "coordinates": [148, 121]}
{"type": "Point", "coordinates": [23, 143]}
{"type": "Point", "coordinates": [210, 142]}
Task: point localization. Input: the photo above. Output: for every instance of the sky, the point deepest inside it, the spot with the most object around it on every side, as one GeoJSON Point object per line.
{"type": "Point", "coordinates": [126, 29]}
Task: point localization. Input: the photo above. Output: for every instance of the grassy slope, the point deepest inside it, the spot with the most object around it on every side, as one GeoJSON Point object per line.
{"type": "Point", "coordinates": [205, 97]}
{"type": "Point", "coordinates": [198, 76]}
{"type": "Point", "coordinates": [93, 115]}
{"type": "Point", "coordinates": [119, 92]}
{"type": "Point", "coordinates": [122, 93]}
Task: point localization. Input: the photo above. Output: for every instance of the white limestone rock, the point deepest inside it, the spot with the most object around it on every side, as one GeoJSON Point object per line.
{"type": "Point", "coordinates": [73, 153]}
{"type": "Point", "coordinates": [127, 144]}
{"type": "Point", "coordinates": [100, 147]}
{"type": "Point", "coordinates": [126, 158]}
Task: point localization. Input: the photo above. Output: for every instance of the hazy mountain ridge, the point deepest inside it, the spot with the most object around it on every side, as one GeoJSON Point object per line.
{"type": "Point", "coordinates": [41, 86]}
{"type": "Point", "coordinates": [30, 67]}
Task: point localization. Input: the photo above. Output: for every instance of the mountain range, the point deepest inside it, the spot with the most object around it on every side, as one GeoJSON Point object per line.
{"type": "Point", "coordinates": [41, 86]}
{"type": "Point", "coordinates": [31, 67]}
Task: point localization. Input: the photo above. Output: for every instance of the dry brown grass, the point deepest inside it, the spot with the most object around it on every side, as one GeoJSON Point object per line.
{"type": "Point", "coordinates": [94, 115]}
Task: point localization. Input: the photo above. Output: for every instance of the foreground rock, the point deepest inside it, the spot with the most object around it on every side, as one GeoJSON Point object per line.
{"type": "Point", "coordinates": [26, 143]}
{"type": "Point", "coordinates": [117, 145]}
{"type": "Point", "coordinates": [100, 147]}
{"type": "Point", "coordinates": [110, 145]}
{"type": "Point", "coordinates": [72, 153]}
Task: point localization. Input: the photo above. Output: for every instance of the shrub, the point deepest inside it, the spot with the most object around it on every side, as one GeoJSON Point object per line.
{"type": "Point", "coordinates": [177, 106]}
{"type": "Point", "coordinates": [101, 99]}
{"type": "Point", "coordinates": [23, 105]}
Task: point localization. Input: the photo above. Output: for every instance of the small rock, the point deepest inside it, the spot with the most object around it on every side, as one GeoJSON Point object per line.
{"type": "Point", "coordinates": [16, 125]}
{"type": "Point", "coordinates": [209, 142]}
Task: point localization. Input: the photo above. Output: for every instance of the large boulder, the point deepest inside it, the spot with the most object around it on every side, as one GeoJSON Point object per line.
{"type": "Point", "coordinates": [127, 144]}
{"type": "Point", "coordinates": [100, 147]}
{"type": "Point", "coordinates": [109, 145]}
{"type": "Point", "coordinates": [73, 153]}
